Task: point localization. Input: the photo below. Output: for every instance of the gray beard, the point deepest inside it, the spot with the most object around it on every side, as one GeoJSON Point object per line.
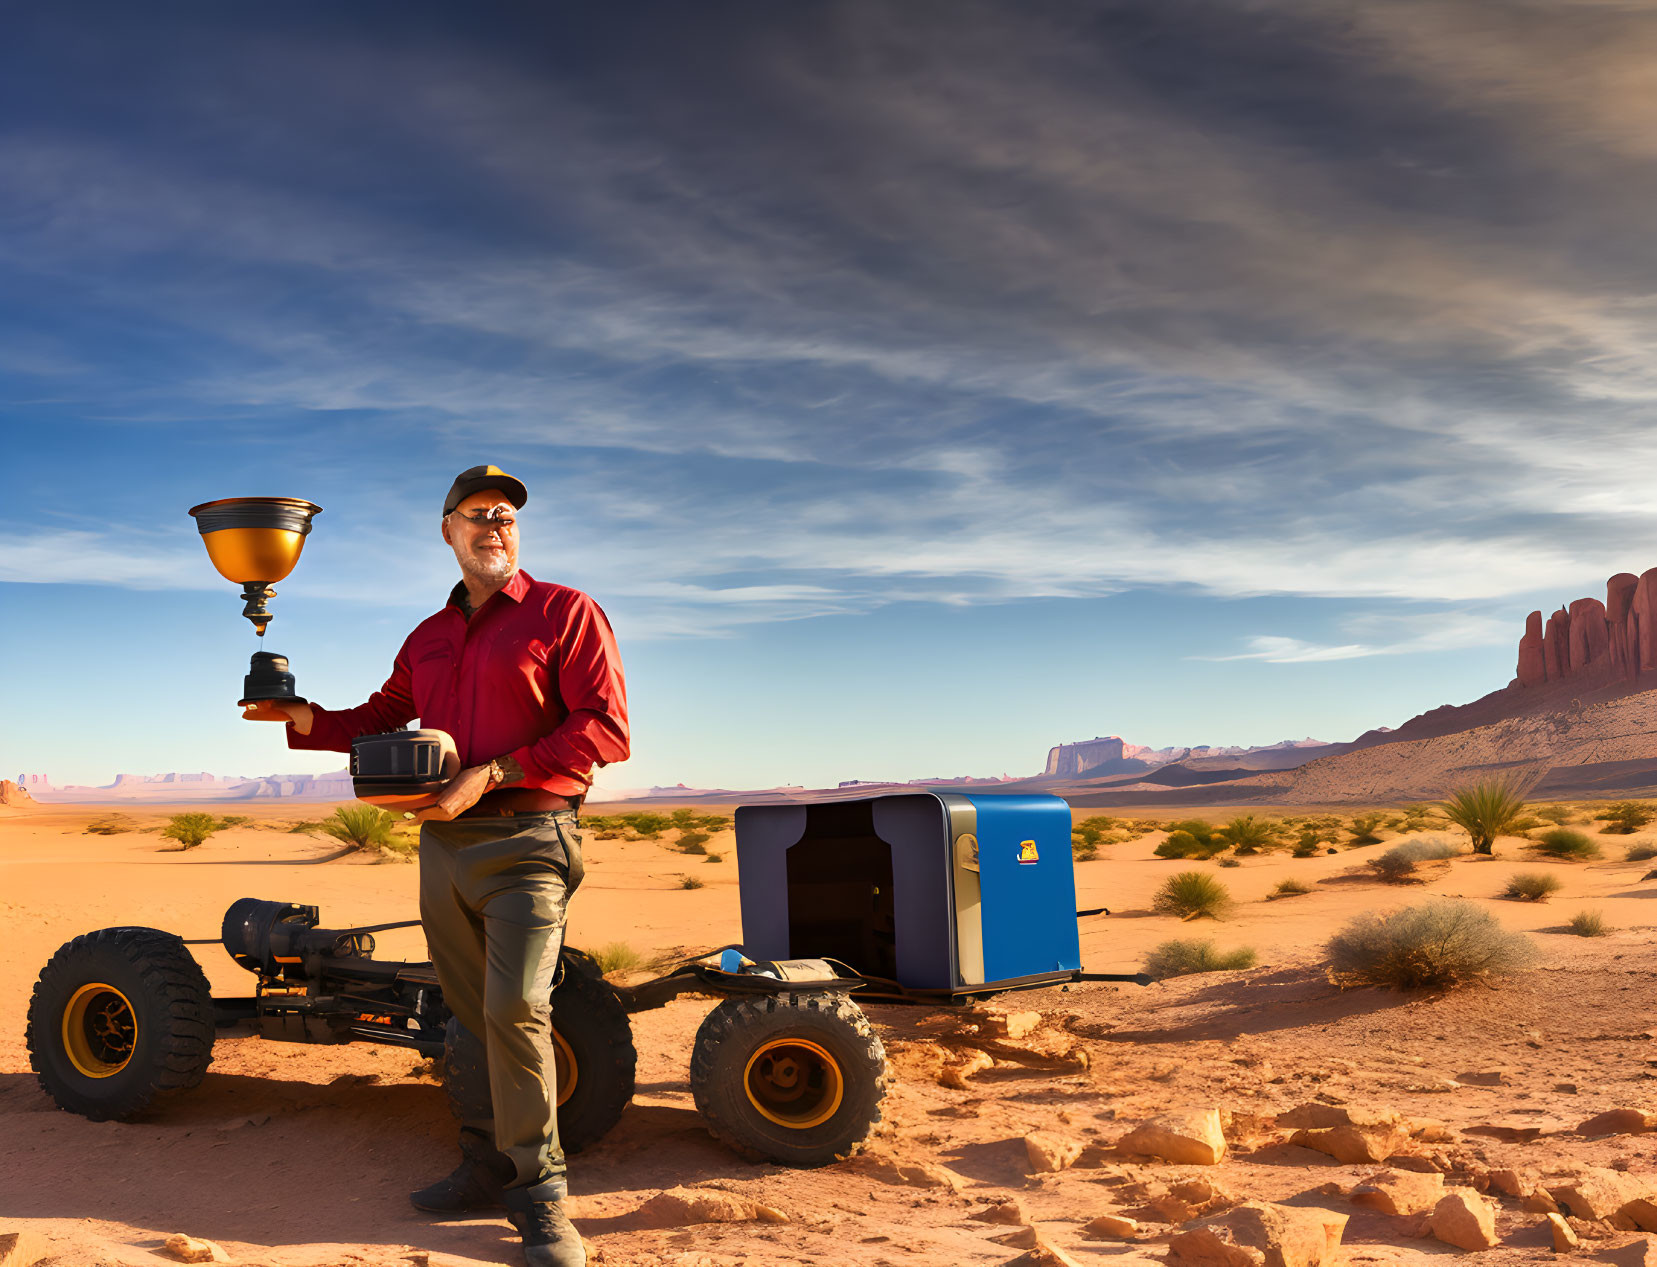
{"type": "Point", "coordinates": [488, 568]}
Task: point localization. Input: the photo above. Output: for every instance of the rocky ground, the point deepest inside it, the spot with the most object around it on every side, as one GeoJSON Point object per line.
{"type": "Point", "coordinates": [1231, 1118]}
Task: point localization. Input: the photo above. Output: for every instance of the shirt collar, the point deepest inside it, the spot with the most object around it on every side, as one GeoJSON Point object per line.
{"type": "Point", "coordinates": [515, 589]}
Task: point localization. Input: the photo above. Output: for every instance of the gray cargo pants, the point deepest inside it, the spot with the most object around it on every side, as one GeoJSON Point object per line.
{"type": "Point", "coordinates": [492, 899]}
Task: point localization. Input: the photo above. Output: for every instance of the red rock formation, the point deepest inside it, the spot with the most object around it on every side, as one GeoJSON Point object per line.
{"type": "Point", "coordinates": [1603, 642]}
{"type": "Point", "coordinates": [1619, 601]}
{"type": "Point", "coordinates": [1532, 667]}
{"type": "Point", "coordinates": [11, 794]}
{"type": "Point", "coordinates": [1590, 639]}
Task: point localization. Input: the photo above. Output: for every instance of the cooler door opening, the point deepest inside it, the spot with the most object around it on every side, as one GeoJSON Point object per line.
{"type": "Point", "coordinates": [840, 902]}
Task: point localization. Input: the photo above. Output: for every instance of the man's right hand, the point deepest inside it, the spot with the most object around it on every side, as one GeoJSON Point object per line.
{"type": "Point", "coordinates": [301, 715]}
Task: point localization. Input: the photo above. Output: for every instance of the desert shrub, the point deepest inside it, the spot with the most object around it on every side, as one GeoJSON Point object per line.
{"type": "Point", "coordinates": [1442, 944]}
{"type": "Point", "coordinates": [1398, 864]}
{"type": "Point", "coordinates": [1418, 818]}
{"type": "Point", "coordinates": [1083, 850]}
{"type": "Point", "coordinates": [647, 826]}
{"type": "Point", "coordinates": [190, 829]}
{"type": "Point", "coordinates": [604, 826]}
{"type": "Point", "coordinates": [1142, 826]}
{"type": "Point", "coordinates": [693, 841]}
{"type": "Point", "coordinates": [1191, 894]}
{"type": "Point", "coordinates": [1192, 838]}
{"type": "Point", "coordinates": [1183, 958]}
{"type": "Point", "coordinates": [403, 843]}
{"type": "Point", "coordinates": [689, 882]}
{"type": "Point", "coordinates": [1558, 815]}
{"type": "Point", "coordinates": [1306, 848]}
{"type": "Point", "coordinates": [299, 829]}
{"type": "Point", "coordinates": [1562, 842]}
{"type": "Point", "coordinates": [233, 820]}
{"type": "Point", "coordinates": [1625, 817]}
{"type": "Point", "coordinates": [1365, 828]}
{"type": "Point", "coordinates": [616, 956]}
{"type": "Point", "coordinates": [713, 857]}
{"type": "Point", "coordinates": [1484, 811]}
{"type": "Point", "coordinates": [1639, 853]}
{"type": "Point", "coordinates": [1288, 888]}
{"type": "Point", "coordinates": [1588, 924]}
{"type": "Point", "coordinates": [109, 825]}
{"type": "Point", "coordinates": [1531, 886]}
{"type": "Point", "coordinates": [1231, 862]}
{"type": "Point", "coordinates": [1087, 835]}
{"type": "Point", "coordinates": [1249, 834]}
{"type": "Point", "coordinates": [361, 826]}
{"type": "Point", "coordinates": [1199, 830]}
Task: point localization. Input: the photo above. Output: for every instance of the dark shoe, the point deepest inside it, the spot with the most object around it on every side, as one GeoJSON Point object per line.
{"type": "Point", "coordinates": [550, 1239]}
{"type": "Point", "coordinates": [470, 1187]}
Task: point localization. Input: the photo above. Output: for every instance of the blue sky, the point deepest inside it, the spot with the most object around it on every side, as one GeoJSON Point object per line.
{"type": "Point", "coordinates": [916, 386]}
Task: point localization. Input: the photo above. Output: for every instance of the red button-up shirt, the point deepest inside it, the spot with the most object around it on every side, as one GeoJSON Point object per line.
{"type": "Point", "coordinates": [534, 675]}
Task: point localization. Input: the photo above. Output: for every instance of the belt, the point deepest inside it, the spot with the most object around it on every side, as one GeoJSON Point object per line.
{"type": "Point", "coordinates": [519, 800]}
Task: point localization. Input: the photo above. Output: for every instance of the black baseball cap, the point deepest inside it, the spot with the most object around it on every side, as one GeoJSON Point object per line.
{"type": "Point", "coordinates": [475, 479]}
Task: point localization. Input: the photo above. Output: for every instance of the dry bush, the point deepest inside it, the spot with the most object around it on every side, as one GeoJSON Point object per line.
{"type": "Point", "coordinates": [1441, 944]}
{"type": "Point", "coordinates": [110, 825]}
{"type": "Point", "coordinates": [369, 827]}
{"type": "Point", "coordinates": [1183, 958]}
{"type": "Point", "coordinates": [689, 882]}
{"type": "Point", "coordinates": [1365, 829]}
{"type": "Point", "coordinates": [1249, 834]}
{"type": "Point", "coordinates": [1639, 853]}
{"type": "Point", "coordinates": [1558, 815]}
{"type": "Point", "coordinates": [1192, 838]}
{"type": "Point", "coordinates": [616, 956]}
{"type": "Point", "coordinates": [1562, 842]}
{"type": "Point", "coordinates": [693, 841]}
{"type": "Point", "coordinates": [189, 830]}
{"type": "Point", "coordinates": [1398, 864]}
{"type": "Point", "coordinates": [1588, 924]}
{"type": "Point", "coordinates": [1288, 888]}
{"type": "Point", "coordinates": [1229, 862]}
{"type": "Point", "coordinates": [1191, 895]}
{"type": "Point", "coordinates": [1624, 818]}
{"type": "Point", "coordinates": [1531, 886]}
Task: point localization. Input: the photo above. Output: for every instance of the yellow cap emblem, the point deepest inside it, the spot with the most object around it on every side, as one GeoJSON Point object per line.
{"type": "Point", "coordinates": [1027, 852]}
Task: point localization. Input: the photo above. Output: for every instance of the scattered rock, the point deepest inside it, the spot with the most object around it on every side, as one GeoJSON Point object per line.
{"type": "Point", "coordinates": [1400, 1192]}
{"type": "Point", "coordinates": [21, 1249]}
{"type": "Point", "coordinates": [1464, 1219]}
{"type": "Point", "coordinates": [1009, 1211]}
{"type": "Point", "coordinates": [1619, 1122]}
{"type": "Point", "coordinates": [998, 1024]}
{"type": "Point", "coordinates": [1413, 1162]}
{"type": "Point", "coordinates": [1348, 1134]}
{"type": "Point", "coordinates": [972, 1061]}
{"type": "Point", "coordinates": [678, 1207]}
{"type": "Point", "coordinates": [1190, 1138]}
{"type": "Point", "coordinates": [1111, 1227]}
{"type": "Point", "coordinates": [1484, 1078]}
{"type": "Point", "coordinates": [1640, 1213]}
{"type": "Point", "coordinates": [1513, 1183]}
{"type": "Point", "coordinates": [187, 1249]}
{"type": "Point", "coordinates": [1564, 1240]}
{"type": "Point", "coordinates": [1595, 1193]}
{"type": "Point", "coordinates": [1539, 1202]}
{"type": "Point", "coordinates": [1049, 1152]}
{"type": "Point", "coordinates": [922, 1174]}
{"type": "Point", "coordinates": [1187, 1199]}
{"type": "Point", "coordinates": [1043, 1253]}
{"type": "Point", "coordinates": [1259, 1234]}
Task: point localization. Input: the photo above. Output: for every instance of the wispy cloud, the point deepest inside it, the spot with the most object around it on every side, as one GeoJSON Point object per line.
{"type": "Point", "coordinates": [970, 302]}
{"type": "Point", "coordinates": [1437, 631]}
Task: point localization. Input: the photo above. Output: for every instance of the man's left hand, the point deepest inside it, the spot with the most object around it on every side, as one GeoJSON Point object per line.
{"type": "Point", "coordinates": [463, 792]}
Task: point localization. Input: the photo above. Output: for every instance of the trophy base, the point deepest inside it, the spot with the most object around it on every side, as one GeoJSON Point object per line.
{"type": "Point", "coordinates": [274, 699]}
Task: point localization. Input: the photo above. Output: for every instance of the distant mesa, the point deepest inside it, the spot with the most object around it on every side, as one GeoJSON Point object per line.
{"type": "Point", "coordinates": [201, 786]}
{"type": "Point", "coordinates": [1593, 642]}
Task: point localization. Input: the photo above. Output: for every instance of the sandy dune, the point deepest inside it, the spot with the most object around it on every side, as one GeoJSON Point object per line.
{"type": "Point", "coordinates": [294, 1155]}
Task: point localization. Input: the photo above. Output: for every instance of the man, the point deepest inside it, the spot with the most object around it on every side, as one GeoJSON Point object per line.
{"type": "Point", "coordinates": [526, 677]}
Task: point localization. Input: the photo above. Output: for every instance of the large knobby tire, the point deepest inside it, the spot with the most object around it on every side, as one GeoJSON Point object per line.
{"type": "Point", "coordinates": [791, 1078]}
{"type": "Point", "coordinates": [593, 1056]}
{"type": "Point", "coordinates": [118, 1017]}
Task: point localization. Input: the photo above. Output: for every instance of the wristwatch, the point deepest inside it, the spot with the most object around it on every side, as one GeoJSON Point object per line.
{"type": "Point", "coordinates": [497, 776]}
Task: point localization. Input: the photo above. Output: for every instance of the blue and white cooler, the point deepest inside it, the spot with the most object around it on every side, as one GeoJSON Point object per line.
{"type": "Point", "coordinates": [945, 892]}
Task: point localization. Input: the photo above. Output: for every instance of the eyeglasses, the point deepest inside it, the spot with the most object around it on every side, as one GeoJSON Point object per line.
{"type": "Point", "coordinates": [495, 519]}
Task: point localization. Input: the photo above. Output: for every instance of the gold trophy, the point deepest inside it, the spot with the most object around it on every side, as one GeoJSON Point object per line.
{"type": "Point", "coordinates": [255, 542]}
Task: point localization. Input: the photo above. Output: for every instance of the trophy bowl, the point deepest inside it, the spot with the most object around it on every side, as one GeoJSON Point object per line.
{"type": "Point", "coordinates": [255, 542]}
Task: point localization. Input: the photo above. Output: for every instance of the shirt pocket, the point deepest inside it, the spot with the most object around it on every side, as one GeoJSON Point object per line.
{"type": "Point", "coordinates": [432, 673]}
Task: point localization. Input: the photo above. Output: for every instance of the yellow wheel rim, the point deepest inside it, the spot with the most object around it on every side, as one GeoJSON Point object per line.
{"type": "Point", "coordinates": [565, 1071]}
{"type": "Point", "coordinates": [100, 1030]}
{"type": "Point", "coordinates": [794, 1083]}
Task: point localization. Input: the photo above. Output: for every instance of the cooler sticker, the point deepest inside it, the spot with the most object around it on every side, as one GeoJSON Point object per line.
{"type": "Point", "coordinates": [1027, 852]}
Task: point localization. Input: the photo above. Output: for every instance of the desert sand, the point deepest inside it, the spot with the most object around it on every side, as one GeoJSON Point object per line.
{"type": "Point", "coordinates": [291, 1155]}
